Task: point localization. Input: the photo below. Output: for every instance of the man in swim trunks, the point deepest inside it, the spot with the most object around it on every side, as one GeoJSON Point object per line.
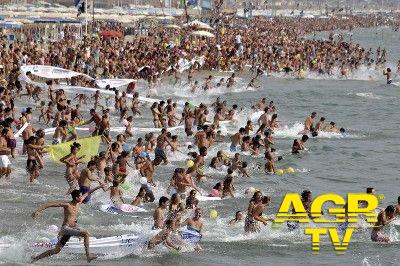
{"type": "Point", "coordinates": [195, 223]}
{"type": "Point", "coordinates": [265, 118]}
{"type": "Point", "coordinates": [5, 169]}
{"type": "Point", "coordinates": [162, 141]}
{"type": "Point", "coordinates": [158, 215]}
{"type": "Point", "coordinates": [69, 227]}
{"type": "Point", "coordinates": [388, 74]}
{"type": "Point", "coordinates": [96, 118]}
{"type": "Point", "coordinates": [298, 144]}
{"type": "Point", "coordinates": [384, 218]}
{"type": "Point", "coordinates": [236, 139]}
{"type": "Point", "coordinates": [60, 134]}
{"type": "Point", "coordinates": [86, 177]}
{"type": "Point", "coordinates": [116, 194]}
{"type": "Point", "coordinates": [309, 123]}
{"type": "Point", "coordinates": [199, 162]}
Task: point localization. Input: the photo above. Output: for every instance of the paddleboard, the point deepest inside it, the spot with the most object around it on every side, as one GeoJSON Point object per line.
{"type": "Point", "coordinates": [19, 132]}
{"type": "Point", "coordinates": [97, 246]}
{"type": "Point", "coordinates": [123, 208]}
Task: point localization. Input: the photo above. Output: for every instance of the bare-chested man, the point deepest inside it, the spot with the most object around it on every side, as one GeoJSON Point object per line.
{"type": "Point", "coordinates": [60, 134]}
{"type": "Point", "coordinates": [158, 216]}
{"type": "Point", "coordinates": [236, 139]}
{"type": "Point", "coordinates": [69, 227]}
{"type": "Point", "coordinates": [384, 218]}
{"type": "Point", "coordinates": [86, 178]}
{"type": "Point", "coordinates": [309, 123]}
{"type": "Point", "coordinates": [96, 118]}
{"type": "Point", "coordinates": [265, 118]}
{"type": "Point", "coordinates": [162, 142]}
{"type": "Point", "coordinates": [218, 117]}
{"type": "Point", "coordinates": [5, 169]}
{"type": "Point", "coordinates": [298, 144]}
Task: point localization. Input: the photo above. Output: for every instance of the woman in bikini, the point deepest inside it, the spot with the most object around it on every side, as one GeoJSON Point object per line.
{"type": "Point", "coordinates": [156, 115]}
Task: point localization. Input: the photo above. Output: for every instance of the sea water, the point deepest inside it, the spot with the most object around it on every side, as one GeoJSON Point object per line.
{"type": "Point", "coordinates": [366, 156]}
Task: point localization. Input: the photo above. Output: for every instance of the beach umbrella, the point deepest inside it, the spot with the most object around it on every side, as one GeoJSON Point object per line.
{"type": "Point", "coordinates": [111, 34]}
{"type": "Point", "coordinates": [198, 25]}
{"type": "Point", "coordinates": [203, 33]}
{"type": "Point", "coordinates": [172, 26]}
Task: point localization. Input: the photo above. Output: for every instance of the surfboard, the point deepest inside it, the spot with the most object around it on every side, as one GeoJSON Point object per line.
{"type": "Point", "coordinates": [97, 246]}
{"type": "Point", "coordinates": [19, 132]}
{"type": "Point", "coordinates": [123, 208]}
{"type": "Point", "coordinates": [48, 131]}
{"type": "Point", "coordinates": [190, 236]}
{"type": "Point", "coordinates": [205, 198]}
{"type": "Point", "coordinates": [255, 116]}
{"type": "Point", "coordinates": [75, 89]}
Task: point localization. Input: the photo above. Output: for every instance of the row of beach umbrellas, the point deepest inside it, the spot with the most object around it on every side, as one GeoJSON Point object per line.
{"type": "Point", "coordinates": [200, 28]}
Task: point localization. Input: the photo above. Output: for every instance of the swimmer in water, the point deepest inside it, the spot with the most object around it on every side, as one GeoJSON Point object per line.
{"type": "Point", "coordinates": [332, 128]}
{"type": "Point", "coordinates": [298, 145]}
{"type": "Point", "coordinates": [309, 123]}
{"type": "Point", "coordinates": [388, 74]}
{"type": "Point", "coordinates": [252, 85]}
{"type": "Point", "coordinates": [158, 216]}
{"type": "Point", "coordinates": [236, 139]}
{"type": "Point", "coordinates": [163, 237]}
{"type": "Point", "coordinates": [384, 218]}
{"type": "Point", "coordinates": [306, 199]}
{"type": "Point", "coordinates": [238, 218]}
{"type": "Point", "coordinates": [195, 223]}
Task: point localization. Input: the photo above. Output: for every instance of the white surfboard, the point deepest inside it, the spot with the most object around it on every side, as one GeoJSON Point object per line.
{"type": "Point", "coordinates": [123, 208]}
{"type": "Point", "coordinates": [206, 198]}
{"type": "Point", "coordinates": [51, 130]}
{"type": "Point", "coordinates": [255, 116]}
{"type": "Point", "coordinates": [19, 132]}
{"type": "Point", "coordinates": [97, 246]}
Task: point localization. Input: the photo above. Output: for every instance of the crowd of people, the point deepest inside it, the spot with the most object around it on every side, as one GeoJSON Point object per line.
{"type": "Point", "coordinates": [267, 45]}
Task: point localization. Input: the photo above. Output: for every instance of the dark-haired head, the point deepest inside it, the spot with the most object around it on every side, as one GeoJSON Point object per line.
{"type": "Point", "coordinates": [75, 194]}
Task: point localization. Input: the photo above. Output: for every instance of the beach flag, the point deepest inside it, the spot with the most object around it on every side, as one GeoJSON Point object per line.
{"type": "Point", "coordinates": [89, 147]}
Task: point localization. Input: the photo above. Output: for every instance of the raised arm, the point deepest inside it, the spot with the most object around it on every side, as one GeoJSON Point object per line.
{"type": "Point", "coordinates": [84, 196]}
{"type": "Point", "coordinates": [54, 204]}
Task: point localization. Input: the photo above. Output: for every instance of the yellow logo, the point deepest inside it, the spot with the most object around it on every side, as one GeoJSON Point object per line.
{"type": "Point", "coordinates": [347, 214]}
